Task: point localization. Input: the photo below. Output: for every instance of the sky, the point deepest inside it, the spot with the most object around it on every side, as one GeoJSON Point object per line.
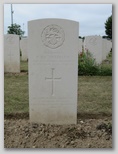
{"type": "Point", "coordinates": [91, 17]}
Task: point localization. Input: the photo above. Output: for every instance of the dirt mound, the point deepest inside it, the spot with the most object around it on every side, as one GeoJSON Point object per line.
{"type": "Point", "coordinates": [87, 133]}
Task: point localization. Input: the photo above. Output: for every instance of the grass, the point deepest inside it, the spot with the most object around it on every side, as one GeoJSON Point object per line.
{"type": "Point", "coordinates": [16, 93]}
{"type": "Point", "coordinates": [94, 93]}
{"type": "Point", "coordinates": [24, 66]}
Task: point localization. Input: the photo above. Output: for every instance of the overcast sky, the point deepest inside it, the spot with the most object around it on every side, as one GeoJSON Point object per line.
{"type": "Point", "coordinates": [91, 17]}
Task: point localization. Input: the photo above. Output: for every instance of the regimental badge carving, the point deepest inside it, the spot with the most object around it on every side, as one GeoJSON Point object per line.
{"type": "Point", "coordinates": [10, 39]}
{"type": "Point", "coordinates": [53, 36]}
{"type": "Point", "coordinates": [93, 41]}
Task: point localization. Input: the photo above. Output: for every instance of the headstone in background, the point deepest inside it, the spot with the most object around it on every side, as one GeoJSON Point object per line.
{"type": "Point", "coordinates": [80, 45]}
{"type": "Point", "coordinates": [53, 70]}
{"type": "Point", "coordinates": [11, 53]}
{"type": "Point", "coordinates": [104, 49]}
{"type": "Point", "coordinates": [94, 45]}
{"type": "Point", "coordinates": [109, 46]}
{"type": "Point", "coordinates": [23, 48]}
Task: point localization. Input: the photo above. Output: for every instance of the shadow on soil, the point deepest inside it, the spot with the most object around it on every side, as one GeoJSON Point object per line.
{"type": "Point", "coordinates": [79, 116]}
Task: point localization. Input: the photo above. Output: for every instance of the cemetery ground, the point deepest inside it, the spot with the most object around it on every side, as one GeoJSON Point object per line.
{"type": "Point", "coordinates": [94, 119]}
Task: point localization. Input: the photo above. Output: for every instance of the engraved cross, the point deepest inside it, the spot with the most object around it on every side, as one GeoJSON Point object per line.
{"type": "Point", "coordinates": [52, 79]}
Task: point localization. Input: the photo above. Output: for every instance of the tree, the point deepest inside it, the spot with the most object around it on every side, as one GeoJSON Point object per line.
{"type": "Point", "coordinates": [108, 27]}
{"type": "Point", "coordinates": [15, 29]}
{"type": "Point", "coordinates": [104, 37]}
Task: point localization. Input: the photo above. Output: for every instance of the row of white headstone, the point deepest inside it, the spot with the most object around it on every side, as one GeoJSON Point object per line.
{"type": "Point", "coordinates": [97, 46]}
{"type": "Point", "coordinates": [53, 69]}
{"type": "Point", "coordinates": [11, 53]}
{"type": "Point", "coordinates": [12, 48]}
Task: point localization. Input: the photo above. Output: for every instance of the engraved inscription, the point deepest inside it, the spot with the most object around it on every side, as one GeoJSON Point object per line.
{"type": "Point", "coordinates": [93, 41]}
{"type": "Point", "coordinates": [52, 79]}
{"type": "Point", "coordinates": [53, 36]}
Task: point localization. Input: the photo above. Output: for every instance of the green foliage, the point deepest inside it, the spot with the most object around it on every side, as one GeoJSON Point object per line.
{"type": "Point", "coordinates": [15, 29]}
{"type": "Point", "coordinates": [105, 71]}
{"type": "Point", "coordinates": [108, 27]}
{"type": "Point", "coordinates": [87, 64]}
{"type": "Point", "coordinates": [104, 37]}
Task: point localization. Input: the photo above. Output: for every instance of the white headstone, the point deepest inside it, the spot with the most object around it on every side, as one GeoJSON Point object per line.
{"type": "Point", "coordinates": [23, 47]}
{"type": "Point", "coordinates": [53, 69]}
{"type": "Point", "coordinates": [93, 44]}
{"type": "Point", "coordinates": [80, 45]}
{"type": "Point", "coordinates": [109, 46]}
{"type": "Point", "coordinates": [104, 49]}
{"type": "Point", "coordinates": [11, 53]}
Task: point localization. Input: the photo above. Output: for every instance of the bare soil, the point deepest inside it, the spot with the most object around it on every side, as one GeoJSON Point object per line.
{"type": "Point", "coordinates": [87, 133]}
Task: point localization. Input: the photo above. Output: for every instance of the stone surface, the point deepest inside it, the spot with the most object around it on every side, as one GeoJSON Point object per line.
{"type": "Point", "coordinates": [23, 47]}
{"type": "Point", "coordinates": [53, 69]}
{"type": "Point", "coordinates": [109, 46]}
{"type": "Point", "coordinates": [11, 53]}
{"type": "Point", "coordinates": [94, 45]}
{"type": "Point", "coordinates": [80, 45]}
{"type": "Point", "coordinates": [106, 48]}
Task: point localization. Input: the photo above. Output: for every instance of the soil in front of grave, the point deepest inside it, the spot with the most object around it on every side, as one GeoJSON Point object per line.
{"type": "Point", "coordinates": [87, 133]}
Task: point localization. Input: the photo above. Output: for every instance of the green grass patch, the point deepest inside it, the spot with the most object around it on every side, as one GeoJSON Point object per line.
{"type": "Point", "coordinates": [94, 93]}
{"type": "Point", "coordinates": [24, 66]}
{"type": "Point", "coordinates": [16, 93]}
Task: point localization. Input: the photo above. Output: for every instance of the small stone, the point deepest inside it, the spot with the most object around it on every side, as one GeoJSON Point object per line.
{"type": "Point", "coordinates": [81, 122]}
{"type": "Point", "coordinates": [64, 135]}
{"type": "Point", "coordinates": [105, 119]}
{"type": "Point", "coordinates": [76, 140]}
{"type": "Point", "coordinates": [89, 145]}
{"type": "Point", "coordinates": [67, 143]}
{"type": "Point", "coordinates": [72, 142]}
{"type": "Point", "coordinates": [93, 134]}
{"type": "Point", "coordinates": [34, 125]}
{"type": "Point", "coordinates": [107, 137]}
{"type": "Point", "coordinates": [26, 130]}
{"type": "Point", "coordinates": [63, 146]}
